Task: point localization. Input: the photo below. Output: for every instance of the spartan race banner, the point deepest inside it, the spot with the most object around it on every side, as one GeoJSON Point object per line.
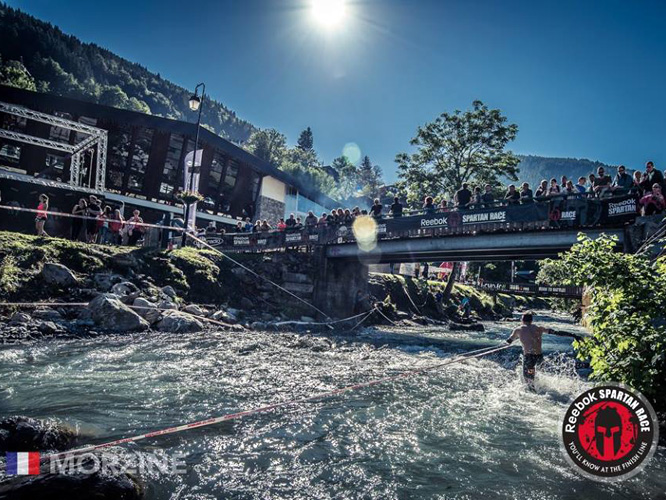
{"type": "Point", "coordinates": [575, 212]}
{"type": "Point", "coordinates": [529, 212]}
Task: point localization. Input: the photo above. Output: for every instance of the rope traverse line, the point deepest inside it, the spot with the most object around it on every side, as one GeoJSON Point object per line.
{"type": "Point", "coordinates": [264, 409]}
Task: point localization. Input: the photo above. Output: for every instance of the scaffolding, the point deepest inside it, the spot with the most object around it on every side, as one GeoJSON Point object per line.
{"type": "Point", "coordinates": [97, 139]}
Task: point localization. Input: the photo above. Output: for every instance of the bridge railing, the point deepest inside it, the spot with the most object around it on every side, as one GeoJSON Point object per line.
{"type": "Point", "coordinates": [562, 212]}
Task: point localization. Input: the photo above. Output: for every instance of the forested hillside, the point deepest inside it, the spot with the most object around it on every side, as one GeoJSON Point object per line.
{"type": "Point", "coordinates": [39, 56]}
{"type": "Point", "coordinates": [535, 168]}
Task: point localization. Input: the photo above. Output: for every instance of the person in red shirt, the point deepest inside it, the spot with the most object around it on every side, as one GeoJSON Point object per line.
{"type": "Point", "coordinates": [42, 210]}
{"type": "Point", "coordinates": [116, 226]}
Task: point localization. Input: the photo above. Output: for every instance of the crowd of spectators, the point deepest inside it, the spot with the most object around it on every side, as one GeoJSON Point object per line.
{"type": "Point", "coordinates": [95, 222]}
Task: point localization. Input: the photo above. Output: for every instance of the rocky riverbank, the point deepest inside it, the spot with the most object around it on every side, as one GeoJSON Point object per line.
{"type": "Point", "coordinates": [55, 287]}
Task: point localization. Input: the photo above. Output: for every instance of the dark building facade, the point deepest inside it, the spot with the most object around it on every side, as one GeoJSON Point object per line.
{"type": "Point", "coordinates": [145, 157]}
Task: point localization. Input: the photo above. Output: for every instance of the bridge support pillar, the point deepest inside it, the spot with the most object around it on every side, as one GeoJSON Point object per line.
{"type": "Point", "coordinates": [338, 284]}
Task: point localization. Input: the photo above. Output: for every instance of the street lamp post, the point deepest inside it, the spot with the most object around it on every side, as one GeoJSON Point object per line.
{"type": "Point", "coordinates": [195, 105]}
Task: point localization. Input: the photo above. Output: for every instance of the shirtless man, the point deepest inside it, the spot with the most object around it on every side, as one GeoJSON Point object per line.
{"type": "Point", "coordinates": [530, 336]}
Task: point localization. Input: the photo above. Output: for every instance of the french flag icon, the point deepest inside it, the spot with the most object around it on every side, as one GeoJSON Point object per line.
{"type": "Point", "coordinates": [22, 463]}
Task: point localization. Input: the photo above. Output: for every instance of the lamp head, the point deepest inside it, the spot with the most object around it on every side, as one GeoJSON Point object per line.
{"type": "Point", "coordinates": [195, 102]}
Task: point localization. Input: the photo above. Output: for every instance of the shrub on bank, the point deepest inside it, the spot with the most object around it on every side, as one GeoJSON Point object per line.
{"type": "Point", "coordinates": [626, 314]}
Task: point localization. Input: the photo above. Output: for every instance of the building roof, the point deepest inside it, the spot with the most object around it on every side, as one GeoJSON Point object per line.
{"type": "Point", "coordinates": [49, 102]}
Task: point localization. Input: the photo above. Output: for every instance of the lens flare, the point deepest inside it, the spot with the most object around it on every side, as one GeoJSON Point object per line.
{"type": "Point", "coordinates": [365, 232]}
{"type": "Point", "coordinates": [352, 152]}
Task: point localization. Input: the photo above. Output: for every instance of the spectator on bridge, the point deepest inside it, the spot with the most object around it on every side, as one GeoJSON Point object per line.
{"type": "Point", "coordinates": [311, 220]}
{"type": "Point", "coordinates": [94, 211]}
{"type": "Point", "coordinates": [396, 208]}
{"type": "Point", "coordinates": [291, 222]}
{"type": "Point", "coordinates": [281, 225]}
{"type": "Point", "coordinates": [247, 227]}
{"type": "Point", "coordinates": [116, 227]}
{"type": "Point", "coordinates": [376, 209]}
{"type": "Point", "coordinates": [563, 182]}
{"type": "Point", "coordinates": [553, 189]}
{"type": "Point", "coordinates": [476, 198]}
{"type": "Point", "coordinates": [356, 212]}
{"type": "Point", "coordinates": [488, 198]}
{"type": "Point", "coordinates": [103, 226]}
{"type": "Point", "coordinates": [623, 182]}
{"type": "Point", "coordinates": [590, 189]}
{"type": "Point", "coordinates": [299, 224]}
{"type": "Point", "coordinates": [463, 196]}
{"type": "Point", "coordinates": [239, 227]}
{"type": "Point", "coordinates": [526, 195]}
{"type": "Point", "coordinates": [512, 196]}
{"type": "Point", "coordinates": [348, 218]}
{"type": "Point", "coordinates": [135, 228]}
{"type": "Point", "coordinates": [322, 220]}
{"type": "Point", "coordinates": [256, 227]}
{"type": "Point", "coordinates": [428, 205]}
{"type": "Point", "coordinates": [651, 176]}
{"type": "Point", "coordinates": [40, 219]}
{"type": "Point", "coordinates": [79, 210]}
{"type": "Point", "coordinates": [331, 218]}
{"type": "Point", "coordinates": [602, 183]}
{"type": "Point", "coordinates": [542, 190]}
{"type": "Point", "coordinates": [444, 206]}
{"type": "Point", "coordinates": [265, 226]}
{"type": "Point", "coordinates": [653, 201]}
{"type": "Point", "coordinates": [581, 187]}
{"type": "Point", "coordinates": [211, 228]}
{"type": "Point", "coordinates": [637, 182]}
{"type": "Point", "coordinates": [570, 190]}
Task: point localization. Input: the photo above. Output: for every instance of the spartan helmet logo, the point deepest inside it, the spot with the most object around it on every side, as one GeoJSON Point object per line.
{"type": "Point", "coordinates": [608, 432]}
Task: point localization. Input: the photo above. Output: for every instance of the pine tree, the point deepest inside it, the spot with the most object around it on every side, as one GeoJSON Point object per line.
{"type": "Point", "coordinates": [305, 140]}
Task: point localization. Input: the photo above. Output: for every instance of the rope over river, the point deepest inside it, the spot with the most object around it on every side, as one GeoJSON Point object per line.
{"type": "Point", "coordinates": [462, 431]}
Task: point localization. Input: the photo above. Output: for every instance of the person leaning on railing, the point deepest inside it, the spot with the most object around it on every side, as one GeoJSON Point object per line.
{"type": "Point", "coordinates": [396, 208]}
{"type": "Point", "coordinates": [526, 195]}
{"type": "Point", "coordinates": [623, 182]}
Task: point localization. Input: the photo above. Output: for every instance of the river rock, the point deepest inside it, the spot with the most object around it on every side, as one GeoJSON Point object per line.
{"type": "Point", "coordinates": [58, 275]}
{"type": "Point", "coordinates": [104, 281]}
{"type": "Point", "coordinates": [49, 328]}
{"type": "Point", "coordinates": [224, 316]}
{"type": "Point", "coordinates": [98, 485]}
{"type": "Point", "coordinates": [473, 327]}
{"type": "Point", "coordinates": [147, 310]}
{"type": "Point", "coordinates": [47, 314]}
{"type": "Point", "coordinates": [111, 314]}
{"type": "Point", "coordinates": [194, 309]}
{"type": "Point", "coordinates": [19, 318]}
{"type": "Point", "coordinates": [179, 322]}
{"type": "Point", "coordinates": [169, 291]}
{"type": "Point", "coordinates": [126, 291]}
{"type": "Point", "coordinates": [246, 303]}
{"type": "Point", "coordinates": [167, 304]}
{"type": "Point", "coordinates": [29, 434]}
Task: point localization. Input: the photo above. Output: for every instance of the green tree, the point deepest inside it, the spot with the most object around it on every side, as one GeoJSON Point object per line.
{"type": "Point", "coordinates": [15, 74]}
{"type": "Point", "coordinates": [269, 145]}
{"type": "Point", "coordinates": [348, 177]}
{"type": "Point", "coordinates": [306, 140]}
{"type": "Point", "coordinates": [370, 177]}
{"type": "Point", "coordinates": [627, 300]}
{"type": "Point", "coordinates": [114, 96]}
{"type": "Point", "coordinates": [456, 148]}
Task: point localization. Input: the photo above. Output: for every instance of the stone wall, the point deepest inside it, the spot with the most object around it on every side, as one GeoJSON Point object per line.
{"type": "Point", "coordinates": [269, 209]}
{"type": "Point", "coordinates": [338, 284]}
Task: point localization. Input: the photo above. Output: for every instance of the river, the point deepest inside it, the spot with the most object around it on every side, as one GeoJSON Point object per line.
{"type": "Point", "coordinates": [468, 430]}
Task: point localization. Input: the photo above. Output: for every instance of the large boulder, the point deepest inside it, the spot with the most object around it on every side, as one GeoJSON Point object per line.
{"type": "Point", "coordinates": [167, 304]}
{"type": "Point", "coordinates": [169, 291]}
{"type": "Point", "coordinates": [47, 314]}
{"type": "Point", "coordinates": [100, 485]}
{"type": "Point", "coordinates": [58, 275]}
{"type": "Point", "coordinates": [224, 316]}
{"type": "Point", "coordinates": [147, 310]}
{"type": "Point", "coordinates": [104, 281]}
{"type": "Point", "coordinates": [29, 434]}
{"type": "Point", "coordinates": [179, 322]}
{"type": "Point", "coordinates": [19, 318]}
{"type": "Point", "coordinates": [109, 313]}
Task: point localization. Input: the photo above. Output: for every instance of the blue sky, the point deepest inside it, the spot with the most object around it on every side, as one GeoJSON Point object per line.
{"type": "Point", "coordinates": [581, 78]}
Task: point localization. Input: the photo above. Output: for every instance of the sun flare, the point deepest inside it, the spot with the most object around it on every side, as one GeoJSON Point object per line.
{"type": "Point", "coordinates": [328, 13]}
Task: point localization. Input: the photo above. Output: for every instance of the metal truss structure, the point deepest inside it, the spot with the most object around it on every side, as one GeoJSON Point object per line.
{"type": "Point", "coordinates": [97, 139]}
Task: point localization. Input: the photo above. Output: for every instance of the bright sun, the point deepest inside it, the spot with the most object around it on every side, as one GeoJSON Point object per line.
{"type": "Point", "coordinates": [329, 13]}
